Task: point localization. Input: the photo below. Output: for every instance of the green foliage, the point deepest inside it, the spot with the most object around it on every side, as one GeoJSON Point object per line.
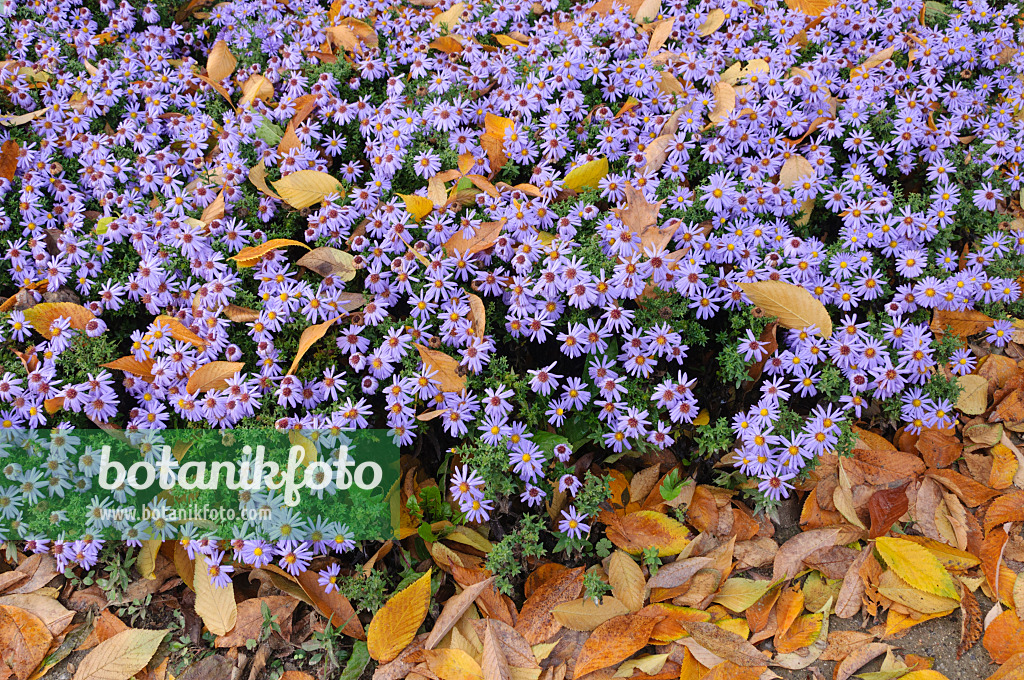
{"type": "Point", "coordinates": [507, 558]}
{"type": "Point", "coordinates": [366, 592]}
{"type": "Point", "coordinates": [717, 438]}
{"type": "Point", "coordinates": [594, 587]}
{"type": "Point", "coordinates": [595, 491]}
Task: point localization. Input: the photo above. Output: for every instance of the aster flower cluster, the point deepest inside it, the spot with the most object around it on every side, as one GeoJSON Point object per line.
{"type": "Point", "coordinates": [138, 178]}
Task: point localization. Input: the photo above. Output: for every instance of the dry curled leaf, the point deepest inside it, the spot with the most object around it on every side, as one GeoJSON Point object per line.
{"type": "Point", "coordinates": [794, 305]}
{"type": "Point", "coordinates": [453, 610]}
{"type": "Point", "coordinates": [394, 626]}
{"type": "Point", "coordinates": [725, 643]}
{"type": "Point", "coordinates": [970, 621]}
{"type": "Point", "coordinates": [308, 339]}
{"type": "Point", "coordinates": [248, 257]}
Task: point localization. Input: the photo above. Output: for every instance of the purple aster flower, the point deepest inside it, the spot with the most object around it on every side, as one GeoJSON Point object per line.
{"type": "Point", "coordinates": [572, 524]}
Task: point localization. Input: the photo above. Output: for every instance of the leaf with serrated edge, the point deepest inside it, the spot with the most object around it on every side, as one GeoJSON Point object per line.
{"type": "Point", "coordinates": [215, 606]}
{"type": "Point", "coordinates": [915, 565]}
{"type": "Point", "coordinates": [794, 305]}
{"type": "Point", "coordinates": [120, 657]}
{"type": "Point", "coordinates": [614, 641]}
{"type": "Point", "coordinates": [394, 626]}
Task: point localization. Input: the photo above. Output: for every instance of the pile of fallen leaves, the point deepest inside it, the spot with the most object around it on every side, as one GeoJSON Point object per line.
{"type": "Point", "coordinates": [903, 530]}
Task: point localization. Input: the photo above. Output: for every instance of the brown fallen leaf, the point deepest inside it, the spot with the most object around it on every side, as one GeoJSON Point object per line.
{"type": "Point", "coordinates": [9, 152]}
{"type": "Point", "coordinates": [24, 640]}
{"type": "Point", "coordinates": [726, 644]}
{"type": "Point", "coordinates": [52, 613]}
{"type": "Point", "coordinates": [484, 237]}
{"type": "Point", "coordinates": [969, 491]}
{"type": "Point", "coordinates": [851, 593]}
{"type": "Point", "coordinates": [536, 623]}
{"type": "Point", "coordinates": [614, 641]}
{"type": "Point", "coordinates": [1007, 508]}
{"type": "Point", "coordinates": [249, 622]}
{"type": "Point", "coordinates": [858, 658]}
{"type": "Point", "coordinates": [494, 663]}
{"type": "Point", "coordinates": [446, 367]}
{"type": "Point", "coordinates": [789, 560]}
{"type": "Point", "coordinates": [327, 261]}
{"type": "Point", "coordinates": [453, 610]}
{"type": "Point", "coordinates": [885, 507]}
{"type": "Point", "coordinates": [970, 621]}
{"type": "Point", "coordinates": [333, 605]}
{"type": "Point", "coordinates": [584, 614]}
{"type": "Point", "coordinates": [220, 63]}
{"type": "Point", "coordinates": [240, 314]}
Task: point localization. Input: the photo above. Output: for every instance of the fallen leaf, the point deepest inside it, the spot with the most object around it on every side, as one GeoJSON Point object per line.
{"type": "Point", "coordinates": [452, 664]}
{"type": "Point", "coordinates": [858, 658]}
{"type": "Point", "coordinates": [586, 615]}
{"type": "Point", "coordinates": [394, 626]}
{"type": "Point", "coordinates": [43, 315]}
{"type": "Point", "coordinates": [645, 529]}
{"type": "Point", "coordinates": [885, 507]}
{"type": "Point", "coordinates": [248, 257]}
{"type": "Point", "coordinates": [794, 306]}
{"type": "Point", "coordinates": [327, 261]}
{"type": "Point", "coordinates": [973, 398]}
{"type": "Point", "coordinates": [790, 558]}
{"type": "Point", "coordinates": [24, 640]}
{"type": "Point", "coordinates": [249, 623]}
{"type": "Point", "coordinates": [614, 641]}
{"type": "Point", "coordinates": [915, 565]}
{"type": "Point", "coordinates": [477, 315]}
{"type": "Point", "coordinates": [446, 366]}
{"type": "Point", "coordinates": [970, 621]}
{"type": "Point", "coordinates": [969, 491]}
{"type": "Point", "coordinates": [739, 594]}
{"type": "Point", "coordinates": [805, 657]}
{"type": "Point", "coordinates": [213, 376]}
{"type": "Point", "coordinates": [308, 338]}
{"type": "Point", "coordinates": [726, 644]}
{"type": "Point", "coordinates": [893, 587]}
{"type": "Point", "coordinates": [303, 188]}
{"type": "Point", "coordinates": [120, 657]}
{"type": "Point", "coordinates": [239, 314]}
{"type": "Point", "coordinates": [214, 605]}
{"type": "Point", "coordinates": [52, 613]}
{"type": "Point", "coordinates": [725, 101]}
{"type": "Point", "coordinates": [484, 237]}
{"type": "Point", "coordinates": [627, 580]}
{"type": "Point", "coordinates": [712, 23]}
{"type": "Point", "coordinates": [876, 59]}
{"type": "Point", "coordinates": [333, 605]}
{"type": "Point", "coordinates": [1006, 508]}
{"type": "Point", "coordinates": [9, 152]}
{"type": "Point", "coordinates": [536, 622]}
{"type": "Point", "coordinates": [417, 206]}
{"type": "Point", "coordinates": [811, 8]}
{"type": "Point", "coordinates": [453, 610]}
{"type": "Point", "coordinates": [962, 323]}
{"type": "Point", "coordinates": [220, 63]}
{"type": "Point", "coordinates": [802, 633]}
{"type": "Point", "coordinates": [494, 663]}
{"type": "Point", "coordinates": [1004, 637]}
{"type": "Point", "coordinates": [662, 31]}
{"type": "Point", "coordinates": [586, 176]}
{"type": "Point", "coordinates": [851, 593]}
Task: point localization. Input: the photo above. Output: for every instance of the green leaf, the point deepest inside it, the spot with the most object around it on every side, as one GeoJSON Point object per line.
{"type": "Point", "coordinates": [357, 662]}
{"type": "Point", "coordinates": [269, 132]}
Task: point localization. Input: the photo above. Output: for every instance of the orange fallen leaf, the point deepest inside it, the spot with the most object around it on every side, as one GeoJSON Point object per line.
{"type": "Point", "coordinates": [613, 641]}
{"type": "Point", "coordinates": [24, 640]}
{"type": "Point", "coordinates": [536, 623]}
{"type": "Point", "coordinates": [648, 529]}
{"type": "Point", "coordinates": [213, 376]}
{"type": "Point", "coordinates": [43, 315]}
{"type": "Point", "coordinates": [247, 257]}
{"type": "Point", "coordinates": [309, 336]}
{"type": "Point", "coordinates": [1004, 637]}
{"type": "Point", "coordinates": [447, 368]}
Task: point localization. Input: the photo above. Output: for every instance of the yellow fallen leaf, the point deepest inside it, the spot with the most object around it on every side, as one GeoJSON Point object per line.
{"type": "Point", "coordinates": [917, 566]}
{"type": "Point", "coordinates": [586, 176]}
{"type": "Point", "coordinates": [417, 206]}
{"type": "Point", "coordinates": [446, 366]}
{"type": "Point", "coordinates": [43, 315]}
{"type": "Point", "coordinates": [716, 18]}
{"type": "Point", "coordinates": [215, 605]}
{"type": "Point", "coordinates": [793, 170]}
{"type": "Point", "coordinates": [394, 626]}
{"type": "Point", "coordinates": [725, 101]}
{"type": "Point", "coordinates": [794, 305]}
{"type": "Point", "coordinates": [304, 188]}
